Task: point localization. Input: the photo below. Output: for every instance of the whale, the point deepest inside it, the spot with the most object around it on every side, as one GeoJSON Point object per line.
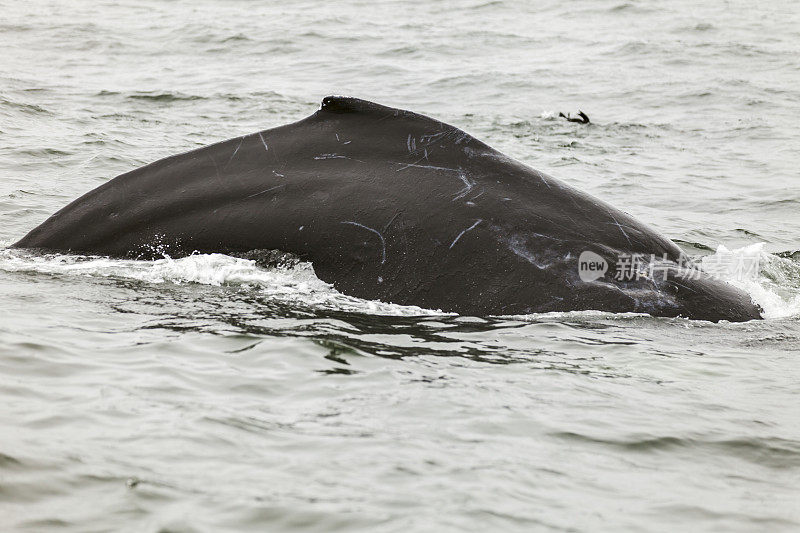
{"type": "Point", "coordinates": [391, 205]}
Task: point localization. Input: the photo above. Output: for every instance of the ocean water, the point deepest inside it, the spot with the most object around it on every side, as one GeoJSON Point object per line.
{"type": "Point", "coordinates": [207, 394]}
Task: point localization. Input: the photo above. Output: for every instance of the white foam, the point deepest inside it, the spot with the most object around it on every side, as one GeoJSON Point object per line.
{"type": "Point", "coordinates": [772, 282]}
{"type": "Point", "coordinates": [297, 284]}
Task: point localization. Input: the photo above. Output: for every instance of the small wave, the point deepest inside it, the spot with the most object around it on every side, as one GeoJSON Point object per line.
{"type": "Point", "coordinates": [484, 5]}
{"type": "Point", "coordinates": [703, 26]}
{"type": "Point", "coordinates": [395, 51]}
{"type": "Point", "coordinates": [693, 246]}
{"type": "Point", "coordinates": [154, 96]}
{"type": "Point", "coordinates": [7, 461]}
{"type": "Point", "coordinates": [24, 107]}
{"type": "Point", "coordinates": [157, 96]}
{"type": "Point", "coordinates": [44, 152]}
{"type": "Point", "coordinates": [622, 7]}
{"type": "Point", "coordinates": [236, 37]}
{"type": "Point", "coordinates": [775, 452]}
{"type": "Point", "coordinates": [164, 97]}
{"type": "Point", "coordinates": [699, 27]}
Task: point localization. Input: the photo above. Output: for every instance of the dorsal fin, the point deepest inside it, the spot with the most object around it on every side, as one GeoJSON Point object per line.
{"type": "Point", "coordinates": [348, 104]}
{"type": "Point", "coordinates": [340, 105]}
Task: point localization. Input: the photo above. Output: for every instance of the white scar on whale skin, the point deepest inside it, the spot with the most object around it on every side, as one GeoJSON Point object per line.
{"type": "Point", "coordinates": [235, 151]}
{"type": "Point", "coordinates": [411, 144]}
{"type": "Point", "coordinates": [336, 156]}
{"type": "Point", "coordinates": [266, 190]}
{"type": "Point", "coordinates": [468, 185]}
{"type": "Point", "coordinates": [431, 138]}
{"type": "Point", "coordinates": [432, 167]}
{"type": "Point", "coordinates": [417, 165]}
{"type": "Point", "coordinates": [341, 141]}
{"type": "Point", "coordinates": [544, 180]}
{"type": "Point", "coordinates": [263, 141]}
{"type": "Point", "coordinates": [516, 245]}
{"type": "Point", "coordinates": [619, 226]}
{"type": "Point", "coordinates": [472, 227]}
{"type": "Point", "coordinates": [479, 195]}
{"type": "Point", "coordinates": [376, 232]}
{"type": "Point", "coordinates": [414, 164]}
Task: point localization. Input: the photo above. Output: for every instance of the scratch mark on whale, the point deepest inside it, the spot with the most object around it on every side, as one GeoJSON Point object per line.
{"type": "Point", "coordinates": [266, 190]}
{"type": "Point", "coordinates": [415, 165]}
{"type": "Point", "coordinates": [376, 232]}
{"type": "Point", "coordinates": [619, 226]}
{"type": "Point", "coordinates": [263, 141]}
{"type": "Point", "coordinates": [468, 185]}
{"type": "Point", "coordinates": [472, 227]}
{"type": "Point", "coordinates": [408, 165]}
{"type": "Point", "coordinates": [411, 144]}
{"type": "Point", "coordinates": [236, 151]}
{"type": "Point", "coordinates": [336, 156]}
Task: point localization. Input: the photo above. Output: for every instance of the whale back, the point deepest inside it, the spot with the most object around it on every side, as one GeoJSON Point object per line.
{"type": "Point", "coordinates": [386, 204]}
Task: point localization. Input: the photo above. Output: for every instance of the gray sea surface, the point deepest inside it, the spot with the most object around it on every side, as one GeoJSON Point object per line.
{"type": "Point", "coordinates": [208, 394]}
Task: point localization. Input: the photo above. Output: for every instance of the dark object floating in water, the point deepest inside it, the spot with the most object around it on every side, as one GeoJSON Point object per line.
{"type": "Point", "coordinates": [581, 118]}
{"type": "Point", "coordinates": [395, 206]}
